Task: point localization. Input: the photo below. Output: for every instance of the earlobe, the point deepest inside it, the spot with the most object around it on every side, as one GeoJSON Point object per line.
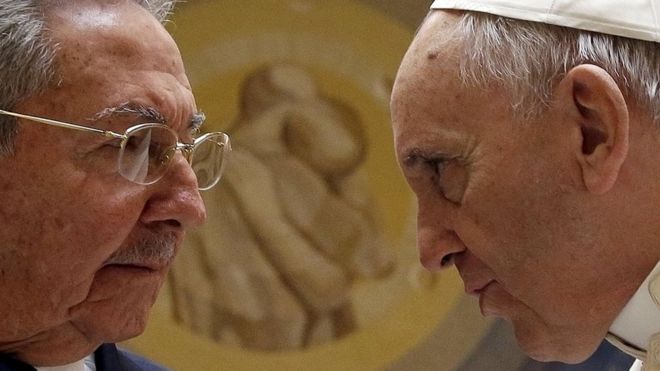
{"type": "Point", "coordinates": [601, 114]}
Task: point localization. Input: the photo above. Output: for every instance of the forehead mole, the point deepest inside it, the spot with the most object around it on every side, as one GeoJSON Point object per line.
{"type": "Point", "coordinates": [432, 55]}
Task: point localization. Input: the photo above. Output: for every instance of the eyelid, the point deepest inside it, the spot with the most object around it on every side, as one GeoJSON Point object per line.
{"type": "Point", "coordinates": [434, 158]}
{"type": "Point", "coordinates": [112, 142]}
{"type": "Point", "coordinates": [438, 166]}
{"type": "Point", "coordinates": [437, 161]}
{"type": "Point", "coordinates": [189, 135]}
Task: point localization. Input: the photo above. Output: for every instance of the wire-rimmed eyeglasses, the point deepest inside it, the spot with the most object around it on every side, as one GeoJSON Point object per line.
{"type": "Point", "coordinates": [147, 150]}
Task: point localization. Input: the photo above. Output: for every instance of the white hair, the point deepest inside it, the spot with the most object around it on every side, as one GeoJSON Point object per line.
{"type": "Point", "coordinates": [27, 54]}
{"type": "Point", "coordinates": [529, 59]}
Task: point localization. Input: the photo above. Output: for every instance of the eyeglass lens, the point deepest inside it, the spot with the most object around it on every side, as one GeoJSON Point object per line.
{"type": "Point", "coordinates": [147, 151]}
{"type": "Point", "coordinates": [208, 159]}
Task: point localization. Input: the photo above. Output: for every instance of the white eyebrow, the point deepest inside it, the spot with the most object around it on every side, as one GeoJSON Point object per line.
{"type": "Point", "coordinates": [151, 114]}
{"type": "Point", "coordinates": [197, 120]}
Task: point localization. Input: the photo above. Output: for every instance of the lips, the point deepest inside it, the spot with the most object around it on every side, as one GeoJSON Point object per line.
{"type": "Point", "coordinates": [151, 252]}
{"type": "Point", "coordinates": [475, 274]}
{"type": "Point", "coordinates": [142, 267]}
{"type": "Point", "coordinates": [145, 263]}
{"type": "Point", "coordinates": [477, 287]}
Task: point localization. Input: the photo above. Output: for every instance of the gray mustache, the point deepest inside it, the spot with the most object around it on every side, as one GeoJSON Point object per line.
{"type": "Point", "coordinates": [151, 251]}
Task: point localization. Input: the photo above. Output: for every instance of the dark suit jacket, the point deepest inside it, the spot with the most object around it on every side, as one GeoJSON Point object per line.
{"type": "Point", "coordinates": [107, 357]}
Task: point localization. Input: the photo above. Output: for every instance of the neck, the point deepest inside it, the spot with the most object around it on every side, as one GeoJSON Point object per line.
{"type": "Point", "coordinates": [639, 319]}
{"type": "Point", "coordinates": [55, 347]}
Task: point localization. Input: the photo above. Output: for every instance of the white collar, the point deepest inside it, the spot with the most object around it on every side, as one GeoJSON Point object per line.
{"type": "Point", "coordinates": [638, 321]}
{"type": "Point", "coordinates": [85, 364]}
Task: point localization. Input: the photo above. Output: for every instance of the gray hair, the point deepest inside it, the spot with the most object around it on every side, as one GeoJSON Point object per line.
{"type": "Point", "coordinates": [529, 59]}
{"type": "Point", "coordinates": [27, 55]}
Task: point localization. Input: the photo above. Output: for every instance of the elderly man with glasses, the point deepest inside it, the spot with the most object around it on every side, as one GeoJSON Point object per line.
{"type": "Point", "coordinates": [528, 130]}
{"type": "Point", "coordinates": [102, 163]}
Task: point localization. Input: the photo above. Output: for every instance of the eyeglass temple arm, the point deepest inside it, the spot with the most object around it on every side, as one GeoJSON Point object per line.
{"type": "Point", "coordinates": [107, 133]}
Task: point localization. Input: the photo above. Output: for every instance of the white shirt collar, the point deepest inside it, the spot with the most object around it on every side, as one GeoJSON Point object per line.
{"type": "Point", "coordinates": [637, 366]}
{"type": "Point", "coordinates": [640, 318]}
{"type": "Point", "coordinates": [85, 364]}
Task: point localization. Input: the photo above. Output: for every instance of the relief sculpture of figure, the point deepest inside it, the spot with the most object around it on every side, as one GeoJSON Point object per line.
{"type": "Point", "coordinates": [293, 227]}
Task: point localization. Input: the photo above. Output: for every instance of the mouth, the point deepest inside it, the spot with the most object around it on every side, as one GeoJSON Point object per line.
{"type": "Point", "coordinates": [132, 272]}
{"type": "Point", "coordinates": [153, 253]}
{"type": "Point", "coordinates": [139, 267]}
{"type": "Point", "coordinates": [477, 288]}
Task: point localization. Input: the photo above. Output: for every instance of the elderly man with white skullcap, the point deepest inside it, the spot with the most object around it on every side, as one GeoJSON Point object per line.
{"type": "Point", "coordinates": [528, 129]}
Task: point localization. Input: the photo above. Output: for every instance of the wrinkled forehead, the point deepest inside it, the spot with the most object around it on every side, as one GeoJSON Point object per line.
{"type": "Point", "coordinates": [436, 33]}
{"type": "Point", "coordinates": [113, 52]}
{"type": "Point", "coordinates": [91, 13]}
{"type": "Point", "coordinates": [430, 101]}
{"type": "Point", "coordinates": [428, 64]}
{"type": "Point", "coordinates": [89, 31]}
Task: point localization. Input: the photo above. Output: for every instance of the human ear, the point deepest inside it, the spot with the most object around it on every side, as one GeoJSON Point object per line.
{"type": "Point", "coordinates": [601, 115]}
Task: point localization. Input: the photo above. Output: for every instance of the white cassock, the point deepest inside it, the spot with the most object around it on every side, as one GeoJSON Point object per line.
{"type": "Point", "coordinates": [637, 366]}
{"type": "Point", "coordinates": [636, 330]}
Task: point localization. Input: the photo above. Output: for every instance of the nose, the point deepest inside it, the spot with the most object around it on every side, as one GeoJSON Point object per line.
{"type": "Point", "coordinates": [175, 200]}
{"type": "Point", "coordinates": [438, 244]}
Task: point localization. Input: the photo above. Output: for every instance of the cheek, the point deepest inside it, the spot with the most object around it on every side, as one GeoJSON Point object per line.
{"type": "Point", "coordinates": [511, 225]}
{"type": "Point", "coordinates": [519, 229]}
{"type": "Point", "coordinates": [57, 231]}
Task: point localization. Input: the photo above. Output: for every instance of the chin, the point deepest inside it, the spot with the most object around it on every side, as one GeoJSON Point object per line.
{"type": "Point", "coordinates": [112, 330]}
{"type": "Point", "coordinates": [119, 304]}
{"type": "Point", "coordinates": [125, 327]}
{"type": "Point", "coordinates": [544, 345]}
{"type": "Point", "coordinates": [135, 329]}
{"type": "Point", "coordinates": [554, 355]}
{"type": "Point", "coordinates": [113, 323]}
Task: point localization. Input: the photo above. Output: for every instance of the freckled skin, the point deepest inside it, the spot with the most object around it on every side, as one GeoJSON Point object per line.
{"type": "Point", "coordinates": [64, 215]}
{"type": "Point", "coordinates": [508, 206]}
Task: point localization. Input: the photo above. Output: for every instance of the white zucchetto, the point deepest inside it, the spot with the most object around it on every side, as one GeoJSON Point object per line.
{"type": "Point", "coordinates": [636, 19]}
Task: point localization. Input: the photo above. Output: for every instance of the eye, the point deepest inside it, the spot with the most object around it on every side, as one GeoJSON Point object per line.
{"type": "Point", "coordinates": [194, 133]}
{"type": "Point", "coordinates": [189, 136]}
{"type": "Point", "coordinates": [436, 168]}
{"type": "Point", "coordinates": [112, 143]}
{"type": "Point", "coordinates": [437, 165]}
{"type": "Point", "coordinates": [133, 142]}
{"type": "Point", "coordinates": [449, 176]}
{"type": "Point", "coordinates": [438, 173]}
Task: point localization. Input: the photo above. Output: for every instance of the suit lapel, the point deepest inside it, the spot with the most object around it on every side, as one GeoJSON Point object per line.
{"type": "Point", "coordinates": [10, 364]}
{"type": "Point", "coordinates": [108, 358]}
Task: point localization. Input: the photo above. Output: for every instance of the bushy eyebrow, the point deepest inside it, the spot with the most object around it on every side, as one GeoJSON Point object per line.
{"type": "Point", "coordinates": [148, 113]}
{"type": "Point", "coordinates": [197, 120]}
